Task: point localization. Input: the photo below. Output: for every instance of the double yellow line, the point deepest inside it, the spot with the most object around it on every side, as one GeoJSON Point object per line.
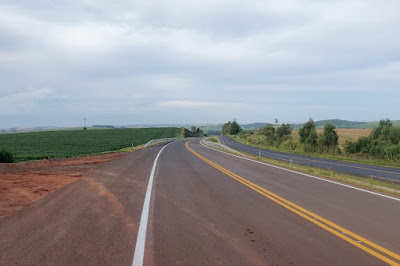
{"type": "Point", "coordinates": [354, 239]}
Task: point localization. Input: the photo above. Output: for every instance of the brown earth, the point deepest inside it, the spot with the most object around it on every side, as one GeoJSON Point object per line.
{"type": "Point", "coordinates": [22, 184]}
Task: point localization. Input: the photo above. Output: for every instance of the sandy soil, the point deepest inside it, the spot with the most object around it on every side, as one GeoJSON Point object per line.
{"type": "Point", "coordinates": [22, 184]}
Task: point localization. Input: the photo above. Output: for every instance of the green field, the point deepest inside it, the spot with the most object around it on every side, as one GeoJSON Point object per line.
{"type": "Point", "coordinates": [70, 143]}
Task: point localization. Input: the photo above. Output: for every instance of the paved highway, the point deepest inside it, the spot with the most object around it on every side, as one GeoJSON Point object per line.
{"type": "Point", "coordinates": [339, 166]}
{"type": "Point", "coordinates": [205, 207]}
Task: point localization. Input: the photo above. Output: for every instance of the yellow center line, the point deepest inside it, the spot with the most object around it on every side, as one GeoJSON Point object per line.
{"type": "Point", "coordinates": [331, 227]}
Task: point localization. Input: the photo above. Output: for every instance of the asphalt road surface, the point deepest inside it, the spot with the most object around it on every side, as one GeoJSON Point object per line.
{"type": "Point", "coordinates": [339, 166]}
{"type": "Point", "coordinates": [206, 208]}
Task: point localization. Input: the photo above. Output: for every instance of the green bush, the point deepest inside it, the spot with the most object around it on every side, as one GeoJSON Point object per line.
{"type": "Point", "coordinates": [362, 145]}
{"type": "Point", "coordinates": [330, 137]}
{"type": "Point", "coordinates": [213, 139]}
{"type": "Point", "coordinates": [308, 136]}
{"type": "Point", "coordinates": [350, 147]}
{"type": "Point", "coordinates": [269, 132]}
{"type": "Point", "coordinates": [283, 133]}
{"type": "Point", "coordinates": [231, 128]}
{"type": "Point", "coordinates": [290, 145]}
{"type": "Point", "coordinates": [6, 156]}
{"type": "Point", "coordinates": [393, 153]}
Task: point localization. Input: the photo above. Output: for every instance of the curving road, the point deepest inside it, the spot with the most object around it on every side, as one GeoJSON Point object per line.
{"type": "Point", "coordinates": [206, 208]}
{"type": "Point", "coordinates": [357, 169]}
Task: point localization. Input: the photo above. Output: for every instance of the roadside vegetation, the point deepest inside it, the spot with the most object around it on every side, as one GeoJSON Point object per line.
{"type": "Point", "coordinates": [383, 142]}
{"type": "Point", "coordinates": [60, 144]}
{"type": "Point", "coordinates": [213, 139]}
{"type": "Point", "coordinates": [6, 156]}
{"type": "Point", "coordinates": [380, 146]}
{"type": "Point", "coordinates": [370, 184]}
{"type": "Point", "coordinates": [231, 128]}
{"type": "Point", "coordinates": [194, 132]}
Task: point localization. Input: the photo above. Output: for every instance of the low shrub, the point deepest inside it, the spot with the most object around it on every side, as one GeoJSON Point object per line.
{"type": "Point", "coordinates": [213, 139]}
{"type": "Point", "coordinates": [290, 145]}
{"type": "Point", "coordinates": [6, 156]}
{"type": "Point", "coordinates": [393, 153]}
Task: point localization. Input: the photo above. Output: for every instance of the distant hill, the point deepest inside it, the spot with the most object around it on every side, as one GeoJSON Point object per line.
{"type": "Point", "coordinates": [338, 123]}
{"type": "Point", "coordinates": [211, 129]}
{"type": "Point", "coordinates": [370, 125]}
{"type": "Point", "coordinates": [253, 126]}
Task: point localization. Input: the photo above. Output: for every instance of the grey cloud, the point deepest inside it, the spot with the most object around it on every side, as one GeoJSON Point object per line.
{"type": "Point", "coordinates": [260, 59]}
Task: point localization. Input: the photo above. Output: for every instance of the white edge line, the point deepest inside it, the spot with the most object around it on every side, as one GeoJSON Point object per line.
{"type": "Point", "coordinates": [141, 237]}
{"type": "Point", "coordinates": [300, 173]}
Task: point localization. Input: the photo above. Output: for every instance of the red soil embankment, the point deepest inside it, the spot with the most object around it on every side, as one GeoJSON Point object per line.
{"type": "Point", "coordinates": [22, 184]}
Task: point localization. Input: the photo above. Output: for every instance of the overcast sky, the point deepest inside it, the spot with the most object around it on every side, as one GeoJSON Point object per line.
{"type": "Point", "coordinates": [181, 61]}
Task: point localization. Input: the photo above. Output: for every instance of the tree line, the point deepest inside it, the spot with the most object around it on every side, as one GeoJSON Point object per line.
{"type": "Point", "coordinates": [231, 128]}
{"type": "Point", "coordinates": [383, 141]}
{"type": "Point", "coordinates": [328, 141]}
{"type": "Point", "coordinates": [196, 132]}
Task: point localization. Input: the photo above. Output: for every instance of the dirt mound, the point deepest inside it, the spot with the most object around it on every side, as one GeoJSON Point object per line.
{"type": "Point", "coordinates": [22, 184]}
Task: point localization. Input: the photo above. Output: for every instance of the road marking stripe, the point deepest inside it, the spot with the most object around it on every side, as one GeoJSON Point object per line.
{"type": "Point", "coordinates": [316, 219]}
{"type": "Point", "coordinates": [338, 164]}
{"type": "Point", "coordinates": [300, 173]}
{"type": "Point", "coordinates": [141, 237]}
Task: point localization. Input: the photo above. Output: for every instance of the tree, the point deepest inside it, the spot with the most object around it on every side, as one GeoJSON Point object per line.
{"type": "Point", "coordinates": [196, 132]}
{"type": "Point", "coordinates": [269, 132]}
{"type": "Point", "coordinates": [308, 135]}
{"type": "Point", "coordinates": [199, 133]}
{"type": "Point", "coordinates": [226, 128]}
{"type": "Point", "coordinates": [330, 137]}
{"type": "Point", "coordinates": [231, 128]}
{"type": "Point", "coordinates": [382, 128]}
{"type": "Point", "coordinates": [235, 128]}
{"type": "Point", "coordinates": [283, 132]}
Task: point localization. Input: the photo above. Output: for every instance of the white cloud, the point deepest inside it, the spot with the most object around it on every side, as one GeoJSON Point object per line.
{"type": "Point", "coordinates": [26, 101]}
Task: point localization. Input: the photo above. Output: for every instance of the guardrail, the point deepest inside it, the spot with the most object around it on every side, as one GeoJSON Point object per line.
{"type": "Point", "coordinates": [159, 141]}
{"type": "Point", "coordinates": [220, 146]}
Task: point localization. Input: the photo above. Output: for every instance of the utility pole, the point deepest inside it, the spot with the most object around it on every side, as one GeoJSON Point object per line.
{"type": "Point", "coordinates": [84, 123]}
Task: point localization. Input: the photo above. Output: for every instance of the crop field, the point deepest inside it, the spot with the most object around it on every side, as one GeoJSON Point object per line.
{"type": "Point", "coordinates": [70, 143]}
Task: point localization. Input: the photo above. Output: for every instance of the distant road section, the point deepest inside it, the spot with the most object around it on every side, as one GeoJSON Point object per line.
{"type": "Point", "coordinates": [339, 166]}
